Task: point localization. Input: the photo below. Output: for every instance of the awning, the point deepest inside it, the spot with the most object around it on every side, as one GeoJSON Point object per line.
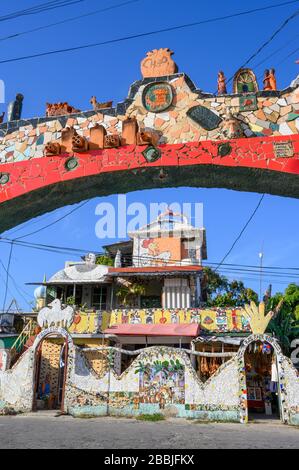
{"type": "Point", "coordinates": [155, 271]}
{"type": "Point", "coordinates": [182, 329]}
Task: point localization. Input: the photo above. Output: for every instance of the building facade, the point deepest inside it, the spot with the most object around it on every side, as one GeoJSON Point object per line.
{"type": "Point", "coordinates": [135, 337]}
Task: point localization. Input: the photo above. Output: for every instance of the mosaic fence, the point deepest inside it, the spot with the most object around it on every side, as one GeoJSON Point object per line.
{"type": "Point", "coordinates": [160, 379]}
{"type": "Point", "coordinates": [213, 320]}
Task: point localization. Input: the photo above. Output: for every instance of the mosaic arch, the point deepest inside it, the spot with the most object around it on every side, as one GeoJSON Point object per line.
{"type": "Point", "coordinates": [38, 355]}
{"type": "Point", "coordinates": [167, 133]}
{"type": "Point", "coordinates": [242, 374]}
{"type": "Point", "coordinates": [52, 332]}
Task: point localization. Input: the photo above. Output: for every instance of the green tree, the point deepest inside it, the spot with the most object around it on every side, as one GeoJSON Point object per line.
{"type": "Point", "coordinates": [218, 291]}
{"type": "Point", "coordinates": [128, 295]}
{"type": "Point", "coordinates": [285, 323]}
{"type": "Point", "coordinates": [105, 260]}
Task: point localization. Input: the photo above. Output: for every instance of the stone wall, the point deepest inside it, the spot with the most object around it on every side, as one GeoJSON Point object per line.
{"type": "Point", "coordinates": [159, 380]}
{"type": "Point", "coordinates": [291, 383]}
{"type": "Point", "coordinates": [16, 384]}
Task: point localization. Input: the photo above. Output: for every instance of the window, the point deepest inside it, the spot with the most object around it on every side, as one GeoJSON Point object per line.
{"type": "Point", "coordinates": [99, 298]}
{"type": "Point", "coordinates": [150, 301]}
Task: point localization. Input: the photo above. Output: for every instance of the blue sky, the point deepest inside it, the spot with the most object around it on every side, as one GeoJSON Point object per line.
{"type": "Point", "coordinates": [107, 72]}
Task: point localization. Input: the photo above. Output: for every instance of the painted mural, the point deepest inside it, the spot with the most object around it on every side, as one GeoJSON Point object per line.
{"type": "Point", "coordinates": [216, 319]}
{"type": "Point", "coordinates": [157, 251]}
{"type": "Point", "coordinates": [161, 382]}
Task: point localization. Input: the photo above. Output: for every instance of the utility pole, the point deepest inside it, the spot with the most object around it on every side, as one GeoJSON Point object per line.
{"type": "Point", "coordinates": [261, 256]}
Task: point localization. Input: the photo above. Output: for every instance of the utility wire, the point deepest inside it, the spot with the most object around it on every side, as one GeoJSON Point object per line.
{"type": "Point", "coordinates": [130, 258]}
{"type": "Point", "coordinates": [291, 41]}
{"type": "Point", "coordinates": [289, 55]}
{"type": "Point", "coordinates": [54, 222]}
{"type": "Point", "coordinates": [7, 276]}
{"type": "Point", "coordinates": [241, 233]}
{"type": "Point", "coordinates": [67, 20]}
{"type": "Point", "coordinates": [40, 8]}
{"type": "Point", "coordinates": [266, 43]}
{"type": "Point", "coordinates": [151, 33]}
{"type": "Point", "coordinates": [18, 288]}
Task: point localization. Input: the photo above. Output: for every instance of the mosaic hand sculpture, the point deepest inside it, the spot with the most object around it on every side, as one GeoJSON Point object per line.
{"type": "Point", "coordinates": [256, 317]}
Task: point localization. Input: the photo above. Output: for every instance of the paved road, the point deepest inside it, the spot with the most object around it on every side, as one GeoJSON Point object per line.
{"type": "Point", "coordinates": [50, 432]}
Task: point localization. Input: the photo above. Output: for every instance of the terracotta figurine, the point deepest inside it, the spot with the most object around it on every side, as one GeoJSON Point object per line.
{"type": "Point", "coordinates": [14, 110]}
{"type": "Point", "coordinates": [158, 63]}
{"type": "Point", "coordinates": [221, 83]}
{"type": "Point", "coordinates": [96, 105]}
{"type": "Point", "coordinates": [272, 79]}
{"type": "Point", "coordinates": [266, 80]}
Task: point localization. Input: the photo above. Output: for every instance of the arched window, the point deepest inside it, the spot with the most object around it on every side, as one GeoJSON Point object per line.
{"type": "Point", "coordinates": [245, 81]}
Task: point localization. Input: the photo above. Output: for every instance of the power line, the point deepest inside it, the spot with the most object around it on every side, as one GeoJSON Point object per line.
{"type": "Point", "coordinates": [151, 33]}
{"type": "Point", "coordinates": [77, 251]}
{"type": "Point", "coordinates": [30, 223]}
{"type": "Point", "coordinates": [7, 276]}
{"type": "Point", "coordinates": [257, 273]}
{"type": "Point", "coordinates": [67, 20]}
{"type": "Point", "coordinates": [54, 222]}
{"type": "Point", "coordinates": [291, 41]}
{"type": "Point", "coordinates": [266, 280]}
{"type": "Point", "coordinates": [289, 55]}
{"type": "Point", "coordinates": [40, 8]}
{"type": "Point", "coordinates": [241, 233]}
{"type": "Point", "coordinates": [18, 288]}
{"type": "Point", "coordinates": [253, 266]}
{"type": "Point", "coordinates": [266, 43]}
{"type": "Point", "coordinates": [273, 35]}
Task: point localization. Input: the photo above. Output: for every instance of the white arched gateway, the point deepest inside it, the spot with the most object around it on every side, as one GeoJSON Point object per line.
{"type": "Point", "coordinates": [41, 378]}
{"type": "Point", "coordinates": [279, 358]}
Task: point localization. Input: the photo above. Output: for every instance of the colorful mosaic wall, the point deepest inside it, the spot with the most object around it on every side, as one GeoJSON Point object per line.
{"type": "Point", "coordinates": [16, 384]}
{"type": "Point", "coordinates": [273, 113]}
{"type": "Point", "coordinates": [217, 141]}
{"type": "Point", "coordinates": [160, 379]}
{"type": "Point", "coordinates": [291, 391]}
{"type": "Point", "coordinates": [216, 320]}
{"type": "Point", "coordinates": [89, 322]}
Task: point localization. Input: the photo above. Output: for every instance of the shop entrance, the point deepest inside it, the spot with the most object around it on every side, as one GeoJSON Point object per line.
{"type": "Point", "coordinates": [262, 384]}
{"type": "Point", "coordinates": [50, 374]}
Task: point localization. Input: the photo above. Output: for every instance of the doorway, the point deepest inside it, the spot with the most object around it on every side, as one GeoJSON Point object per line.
{"type": "Point", "coordinates": [262, 383]}
{"type": "Point", "coordinates": [50, 374]}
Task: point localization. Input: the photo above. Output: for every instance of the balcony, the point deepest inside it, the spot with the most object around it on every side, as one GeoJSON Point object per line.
{"type": "Point", "coordinates": [210, 320]}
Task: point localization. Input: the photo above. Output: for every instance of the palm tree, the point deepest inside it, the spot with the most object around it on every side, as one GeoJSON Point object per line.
{"type": "Point", "coordinates": [142, 369]}
{"type": "Point", "coordinates": [175, 368]}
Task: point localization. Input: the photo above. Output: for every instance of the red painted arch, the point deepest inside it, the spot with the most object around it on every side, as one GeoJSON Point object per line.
{"type": "Point", "coordinates": [252, 165]}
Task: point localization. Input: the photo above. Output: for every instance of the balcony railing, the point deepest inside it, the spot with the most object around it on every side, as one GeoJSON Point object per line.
{"type": "Point", "coordinates": [213, 319]}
